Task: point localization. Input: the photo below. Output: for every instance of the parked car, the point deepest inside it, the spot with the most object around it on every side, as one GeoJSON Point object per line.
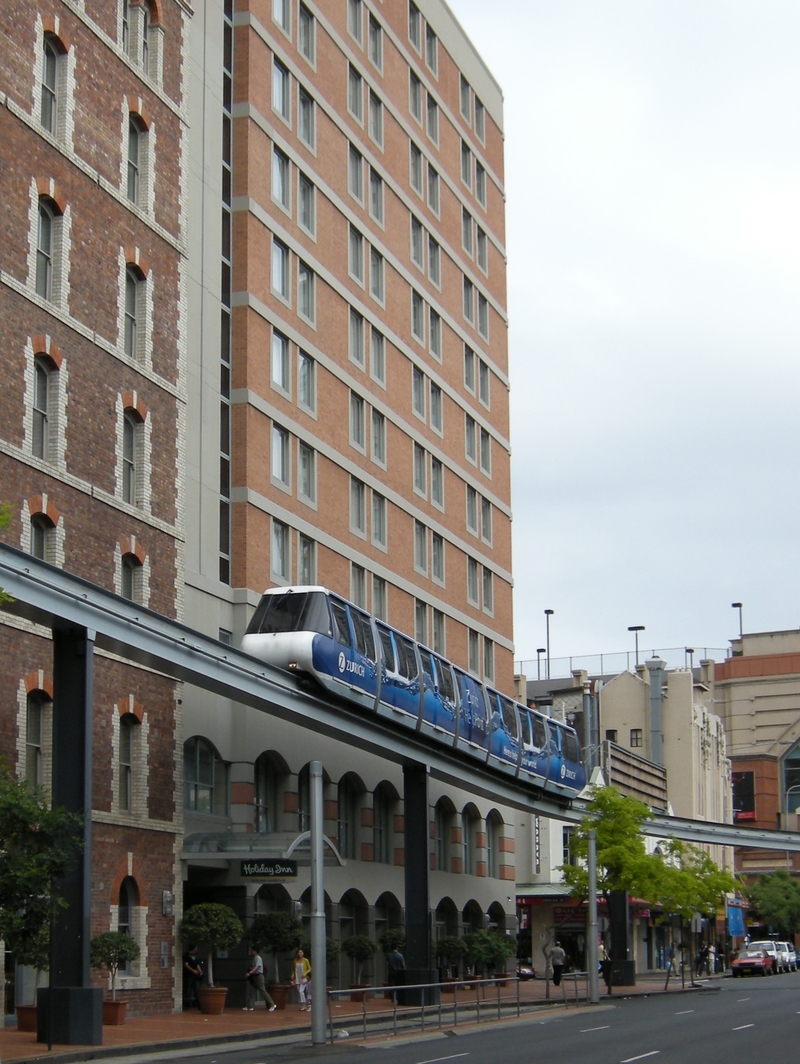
{"type": "Point", "coordinates": [526, 971]}
{"type": "Point", "coordinates": [752, 962]}
{"type": "Point", "coordinates": [770, 948]}
{"type": "Point", "coordinates": [792, 955]}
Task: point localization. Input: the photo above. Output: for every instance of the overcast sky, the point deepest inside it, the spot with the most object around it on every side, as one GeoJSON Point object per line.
{"type": "Point", "coordinates": [653, 231]}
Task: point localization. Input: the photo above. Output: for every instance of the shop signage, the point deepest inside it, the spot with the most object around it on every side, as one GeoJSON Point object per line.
{"type": "Point", "coordinates": [270, 869]}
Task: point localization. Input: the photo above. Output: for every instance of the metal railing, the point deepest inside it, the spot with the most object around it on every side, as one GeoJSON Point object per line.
{"type": "Point", "coordinates": [575, 977]}
{"type": "Point", "coordinates": [615, 662]}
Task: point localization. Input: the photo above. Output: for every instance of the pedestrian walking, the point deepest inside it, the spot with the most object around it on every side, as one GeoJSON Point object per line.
{"type": "Point", "coordinates": [255, 983]}
{"type": "Point", "coordinates": [395, 963]}
{"type": "Point", "coordinates": [192, 977]}
{"type": "Point", "coordinates": [557, 958]}
{"type": "Point", "coordinates": [302, 980]}
{"type": "Point", "coordinates": [671, 960]}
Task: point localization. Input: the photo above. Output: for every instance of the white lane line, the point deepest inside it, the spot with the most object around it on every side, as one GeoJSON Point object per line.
{"type": "Point", "coordinates": [586, 1030]}
{"type": "Point", "coordinates": [684, 1013]}
{"type": "Point", "coordinates": [743, 999]}
{"type": "Point", "coordinates": [652, 1053]}
{"type": "Point", "coordinates": [743, 1027]}
{"type": "Point", "coordinates": [436, 1060]}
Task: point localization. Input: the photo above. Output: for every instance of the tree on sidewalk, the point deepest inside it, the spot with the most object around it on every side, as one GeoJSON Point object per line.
{"type": "Point", "coordinates": [775, 896]}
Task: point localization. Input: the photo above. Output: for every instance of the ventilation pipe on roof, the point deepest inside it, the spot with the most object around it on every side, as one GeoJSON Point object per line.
{"type": "Point", "coordinates": [656, 667]}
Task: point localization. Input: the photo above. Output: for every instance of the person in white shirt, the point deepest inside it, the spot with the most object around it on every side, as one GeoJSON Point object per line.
{"type": "Point", "coordinates": [255, 983]}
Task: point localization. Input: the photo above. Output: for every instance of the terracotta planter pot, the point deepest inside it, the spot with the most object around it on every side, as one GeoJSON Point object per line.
{"type": "Point", "coordinates": [212, 999]}
{"type": "Point", "coordinates": [448, 985]}
{"type": "Point", "coordinates": [358, 998]}
{"type": "Point", "coordinates": [26, 1017]}
{"type": "Point", "coordinates": [279, 992]}
{"type": "Point", "coordinates": [114, 1013]}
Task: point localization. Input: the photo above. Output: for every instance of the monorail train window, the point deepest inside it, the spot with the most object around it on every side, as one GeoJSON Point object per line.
{"type": "Point", "coordinates": [446, 688]}
{"type": "Point", "coordinates": [427, 665]}
{"type": "Point", "coordinates": [569, 746]}
{"type": "Point", "coordinates": [509, 717]}
{"type": "Point", "coordinates": [342, 627]}
{"type": "Point", "coordinates": [365, 644]}
{"type": "Point", "coordinates": [407, 659]}
{"type": "Point", "coordinates": [388, 650]}
{"type": "Point", "coordinates": [304, 611]}
{"type": "Point", "coordinates": [526, 727]}
{"type": "Point", "coordinates": [539, 733]}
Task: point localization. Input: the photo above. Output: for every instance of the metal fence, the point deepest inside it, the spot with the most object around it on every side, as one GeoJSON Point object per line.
{"type": "Point", "coordinates": [616, 662]}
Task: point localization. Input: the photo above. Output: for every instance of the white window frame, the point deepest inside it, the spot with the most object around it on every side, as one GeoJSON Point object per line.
{"type": "Point", "coordinates": [280, 465]}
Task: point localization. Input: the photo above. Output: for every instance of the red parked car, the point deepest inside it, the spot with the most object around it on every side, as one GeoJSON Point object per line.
{"type": "Point", "coordinates": [754, 961]}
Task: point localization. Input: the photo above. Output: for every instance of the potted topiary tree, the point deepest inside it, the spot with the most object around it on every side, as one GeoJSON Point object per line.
{"type": "Point", "coordinates": [212, 926]}
{"type": "Point", "coordinates": [32, 951]}
{"type": "Point", "coordinates": [478, 951]}
{"type": "Point", "coordinates": [277, 933]}
{"type": "Point", "coordinates": [449, 950]}
{"type": "Point", "coordinates": [110, 951]}
{"type": "Point", "coordinates": [359, 948]}
{"type": "Point", "coordinates": [500, 948]}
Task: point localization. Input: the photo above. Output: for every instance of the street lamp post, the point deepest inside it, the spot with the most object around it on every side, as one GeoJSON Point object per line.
{"type": "Point", "coordinates": [689, 653]}
{"type": "Point", "coordinates": [548, 614]}
{"type": "Point", "coordinates": [636, 628]}
{"type": "Point", "coordinates": [539, 652]}
{"type": "Point", "coordinates": [738, 606]}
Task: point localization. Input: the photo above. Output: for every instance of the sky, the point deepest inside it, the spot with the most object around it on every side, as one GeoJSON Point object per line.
{"type": "Point", "coordinates": [653, 227]}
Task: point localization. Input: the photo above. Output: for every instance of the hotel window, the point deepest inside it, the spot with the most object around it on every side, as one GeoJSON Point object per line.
{"type": "Point", "coordinates": [355, 174]}
{"type": "Point", "coordinates": [45, 383]}
{"type": "Point", "coordinates": [470, 438]}
{"type": "Point", "coordinates": [51, 60]}
{"type": "Point", "coordinates": [280, 178]}
{"type": "Point", "coordinates": [376, 195]}
{"type": "Point", "coordinates": [437, 415]}
{"type": "Point", "coordinates": [126, 28]}
{"type": "Point", "coordinates": [415, 168]}
{"type": "Point", "coordinates": [280, 89]}
{"type": "Point", "coordinates": [437, 557]}
{"type": "Point", "coordinates": [466, 164]}
{"type": "Point", "coordinates": [33, 738]}
{"type": "Point", "coordinates": [466, 231]}
{"type": "Point", "coordinates": [465, 100]}
{"type": "Point", "coordinates": [420, 621]}
{"type": "Point", "coordinates": [281, 14]}
{"type": "Point", "coordinates": [435, 325]}
{"type": "Point", "coordinates": [378, 519]}
{"type": "Point", "coordinates": [480, 184]}
{"type": "Point", "coordinates": [44, 250]}
{"type": "Point", "coordinates": [378, 437]}
{"type": "Point", "coordinates": [280, 361]}
{"type": "Point", "coordinates": [281, 565]}
{"type": "Point", "coordinates": [474, 652]}
{"type": "Point", "coordinates": [355, 19]}
{"type": "Point", "coordinates": [480, 120]}
{"type": "Point", "coordinates": [636, 737]}
{"type": "Point", "coordinates": [305, 292]}
{"type": "Point", "coordinates": [134, 305]}
{"type": "Point", "coordinates": [472, 510]}
{"type": "Point", "coordinates": [132, 446]}
{"type": "Point", "coordinates": [415, 96]}
{"type": "Point", "coordinates": [433, 119]}
{"type": "Point", "coordinates": [431, 51]}
{"type": "Point", "coordinates": [380, 605]}
{"type": "Point", "coordinates": [307, 472]}
{"type": "Point", "coordinates": [306, 212]}
{"type": "Point", "coordinates": [439, 642]}
{"type": "Point", "coordinates": [434, 262]}
{"type": "Point", "coordinates": [486, 452]}
{"type": "Point", "coordinates": [486, 520]}
{"type": "Point", "coordinates": [358, 509]}
{"type": "Point", "coordinates": [483, 315]}
{"type": "Point", "coordinates": [136, 157]}
{"type": "Point", "coordinates": [355, 93]}
{"type": "Point", "coordinates": [305, 117]}
{"type": "Point", "coordinates": [205, 780]}
{"type": "Point", "coordinates": [483, 250]}
{"type": "Point", "coordinates": [414, 25]}
{"type": "Point", "coordinates": [469, 300]}
{"type": "Point", "coordinates": [42, 545]}
{"type": "Point", "coordinates": [378, 356]}
{"type": "Point", "coordinates": [358, 433]}
{"type": "Point", "coordinates": [469, 369]}
{"type": "Point", "coordinates": [417, 316]}
{"type": "Point", "coordinates": [306, 34]}
{"type": "Point", "coordinates": [488, 659]}
{"type": "Point", "coordinates": [358, 585]}
{"type": "Point", "coordinates": [488, 590]}
{"type": "Point", "coordinates": [418, 392]}
{"type": "Point", "coordinates": [375, 118]}
{"type": "Point", "coordinates": [356, 338]}
{"type": "Point", "coordinates": [417, 254]}
{"type": "Point", "coordinates": [483, 382]}
{"type": "Point", "coordinates": [437, 483]}
{"type": "Point", "coordinates": [420, 547]}
{"type": "Point", "coordinates": [125, 762]}
{"type": "Point", "coordinates": [472, 581]}
{"type": "Point", "coordinates": [420, 470]}
{"type": "Point", "coordinates": [131, 581]}
{"type": "Point", "coordinates": [306, 560]}
{"type": "Point", "coordinates": [306, 381]}
{"type": "Point", "coordinates": [356, 255]}
{"type": "Point", "coordinates": [280, 269]}
{"type": "Point", "coordinates": [433, 189]}
{"type": "Point", "coordinates": [280, 455]}
{"type": "Point", "coordinates": [376, 278]}
{"type": "Point", "coordinates": [375, 42]}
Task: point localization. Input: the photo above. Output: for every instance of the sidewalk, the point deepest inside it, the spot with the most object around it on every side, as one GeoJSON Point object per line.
{"type": "Point", "coordinates": [192, 1030]}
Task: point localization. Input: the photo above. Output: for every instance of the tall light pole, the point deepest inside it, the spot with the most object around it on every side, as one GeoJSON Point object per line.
{"type": "Point", "coordinates": [738, 606]}
{"type": "Point", "coordinates": [636, 628]}
{"type": "Point", "coordinates": [689, 653]}
{"type": "Point", "coordinates": [547, 615]}
{"type": "Point", "coordinates": [539, 652]}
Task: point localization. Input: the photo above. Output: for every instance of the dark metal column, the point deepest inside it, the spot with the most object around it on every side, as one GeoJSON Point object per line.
{"type": "Point", "coordinates": [70, 1010]}
{"type": "Point", "coordinates": [417, 871]}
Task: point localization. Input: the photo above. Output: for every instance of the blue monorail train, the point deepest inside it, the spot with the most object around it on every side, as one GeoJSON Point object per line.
{"type": "Point", "coordinates": [315, 634]}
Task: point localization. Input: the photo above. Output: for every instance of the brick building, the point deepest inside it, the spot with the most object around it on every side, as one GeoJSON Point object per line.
{"type": "Point", "coordinates": [92, 358]}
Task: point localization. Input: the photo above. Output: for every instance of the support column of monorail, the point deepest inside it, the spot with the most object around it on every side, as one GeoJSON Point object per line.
{"type": "Point", "coordinates": [416, 812]}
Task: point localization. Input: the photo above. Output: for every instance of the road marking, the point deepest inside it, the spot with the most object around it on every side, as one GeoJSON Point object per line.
{"type": "Point", "coordinates": [435, 1060]}
{"type": "Point", "coordinates": [652, 1053]}
{"type": "Point", "coordinates": [743, 999]}
{"type": "Point", "coordinates": [586, 1030]}
{"type": "Point", "coordinates": [684, 1013]}
{"type": "Point", "coordinates": [743, 1027]}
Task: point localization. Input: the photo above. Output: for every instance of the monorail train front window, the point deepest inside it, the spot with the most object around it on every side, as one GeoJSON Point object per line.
{"type": "Point", "coordinates": [569, 746]}
{"type": "Point", "coordinates": [342, 627]}
{"type": "Point", "coordinates": [304, 611]}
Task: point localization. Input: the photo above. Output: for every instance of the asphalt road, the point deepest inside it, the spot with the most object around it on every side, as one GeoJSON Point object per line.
{"type": "Point", "coordinates": [744, 1020]}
